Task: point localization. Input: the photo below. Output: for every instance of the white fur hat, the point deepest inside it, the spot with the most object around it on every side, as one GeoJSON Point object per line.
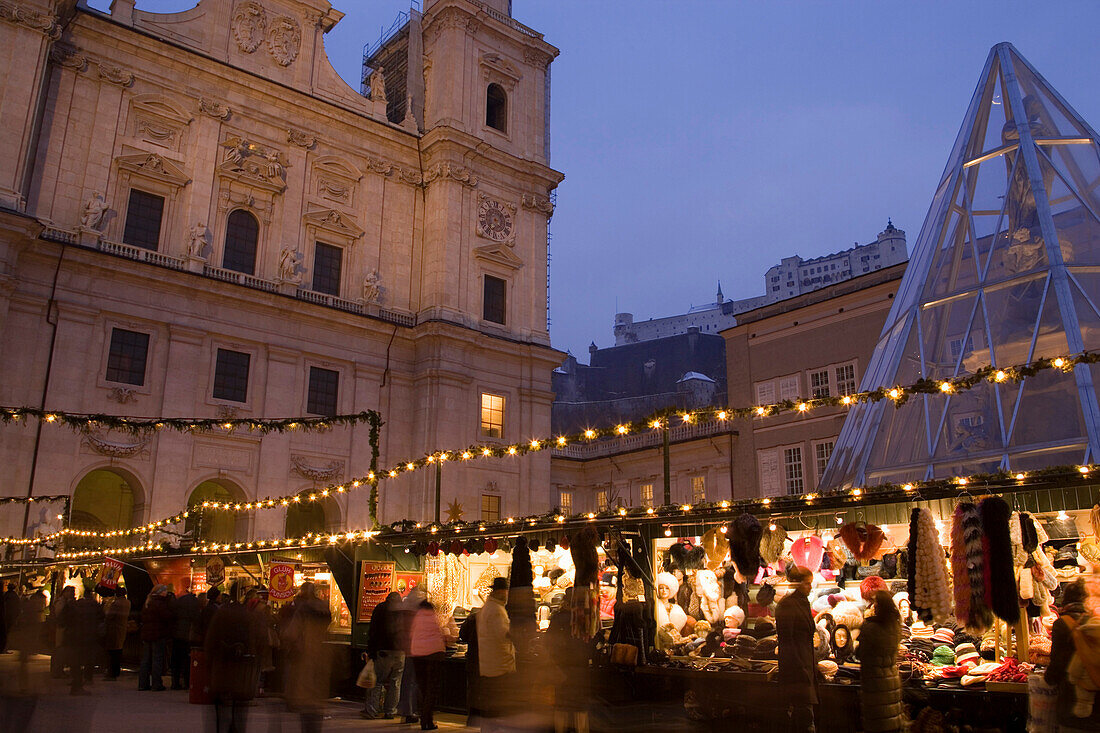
{"type": "Point", "coordinates": [668, 579]}
{"type": "Point", "coordinates": [848, 614]}
{"type": "Point", "coordinates": [737, 614]}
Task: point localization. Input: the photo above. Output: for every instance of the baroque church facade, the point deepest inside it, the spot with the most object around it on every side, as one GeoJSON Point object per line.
{"type": "Point", "coordinates": [198, 217]}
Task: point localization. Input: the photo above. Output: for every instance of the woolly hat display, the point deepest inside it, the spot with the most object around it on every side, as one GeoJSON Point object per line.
{"type": "Point", "coordinates": [922, 631]}
{"type": "Point", "coordinates": [1066, 557]}
{"type": "Point", "coordinates": [862, 539]}
{"type": "Point", "coordinates": [716, 547]}
{"type": "Point", "coordinates": [827, 668]}
{"type": "Point", "coordinates": [968, 568]}
{"type": "Point", "coordinates": [943, 655]}
{"type": "Point", "coordinates": [928, 591]}
{"type": "Point", "coordinates": [967, 654]}
{"type": "Point", "coordinates": [772, 543]}
{"type": "Point", "coordinates": [849, 614]}
{"type": "Point", "coordinates": [1000, 576]}
{"type": "Point", "coordinates": [820, 605]}
{"type": "Point", "coordinates": [808, 552]}
{"type": "Point", "coordinates": [871, 585]}
{"type": "Point", "coordinates": [766, 648]}
{"type": "Point", "coordinates": [1090, 550]}
{"type": "Point", "coordinates": [766, 594]}
{"type": "Point", "coordinates": [668, 580]}
{"type": "Point", "coordinates": [744, 534]}
{"type": "Point", "coordinates": [822, 650]}
{"type": "Point", "coordinates": [944, 635]}
{"type": "Point", "coordinates": [1038, 650]}
{"type": "Point", "coordinates": [736, 614]}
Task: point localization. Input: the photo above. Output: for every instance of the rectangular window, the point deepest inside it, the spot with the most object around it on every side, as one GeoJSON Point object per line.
{"type": "Point", "coordinates": [143, 216]}
{"type": "Point", "coordinates": [765, 393]}
{"type": "Point", "coordinates": [846, 379]}
{"type": "Point", "coordinates": [601, 500]}
{"type": "Point", "coordinates": [324, 385]}
{"type": "Point", "coordinates": [327, 266]}
{"type": "Point", "coordinates": [768, 462]}
{"type": "Point", "coordinates": [789, 388]}
{"type": "Point", "coordinates": [792, 470]}
{"type": "Point", "coordinates": [492, 415]}
{"type": "Point", "coordinates": [647, 495]}
{"type": "Point", "coordinates": [957, 347]}
{"type": "Point", "coordinates": [126, 359]}
{"type": "Point", "coordinates": [822, 451]}
{"type": "Point", "coordinates": [490, 508]}
{"type": "Point", "coordinates": [565, 502]}
{"type": "Point", "coordinates": [819, 383]}
{"type": "Point", "coordinates": [231, 376]}
{"type": "Point", "coordinates": [698, 489]}
{"type": "Point", "coordinates": [495, 301]}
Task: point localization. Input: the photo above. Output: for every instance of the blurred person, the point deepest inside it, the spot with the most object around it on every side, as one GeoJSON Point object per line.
{"type": "Point", "coordinates": [880, 683]}
{"type": "Point", "coordinates": [185, 610]}
{"type": "Point", "coordinates": [53, 629]}
{"type": "Point", "coordinates": [1073, 613]}
{"type": "Point", "coordinates": [426, 649]}
{"type": "Point", "coordinates": [206, 614]}
{"type": "Point", "coordinates": [307, 668]}
{"type": "Point", "coordinates": [231, 644]}
{"type": "Point", "coordinates": [269, 640]}
{"type": "Point", "coordinates": [116, 613]}
{"type": "Point", "coordinates": [384, 648]}
{"type": "Point", "coordinates": [571, 656]}
{"type": "Point", "coordinates": [408, 703]}
{"type": "Point", "coordinates": [156, 632]}
{"type": "Point", "coordinates": [11, 608]}
{"type": "Point", "coordinates": [496, 655]}
{"type": "Point", "coordinates": [80, 624]}
{"type": "Point", "coordinates": [797, 674]}
{"type": "Point", "coordinates": [27, 635]}
{"type": "Point", "coordinates": [468, 634]}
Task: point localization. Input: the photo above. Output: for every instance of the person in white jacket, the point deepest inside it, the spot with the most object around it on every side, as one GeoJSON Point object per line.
{"type": "Point", "coordinates": [496, 655]}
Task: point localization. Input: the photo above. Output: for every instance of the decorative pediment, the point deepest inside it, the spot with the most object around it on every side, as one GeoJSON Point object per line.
{"type": "Point", "coordinates": [155, 166]}
{"type": "Point", "coordinates": [253, 163]}
{"type": "Point", "coordinates": [333, 221]}
{"type": "Point", "coordinates": [499, 254]}
{"type": "Point", "coordinates": [495, 67]}
{"type": "Point", "coordinates": [158, 120]}
{"type": "Point", "coordinates": [335, 179]}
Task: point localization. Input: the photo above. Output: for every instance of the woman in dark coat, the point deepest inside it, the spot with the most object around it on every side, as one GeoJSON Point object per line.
{"type": "Point", "coordinates": [1062, 650]}
{"type": "Point", "coordinates": [880, 692]}
{"type": "Point", "coordinates": [797, 674]}
{"type": "Point", "coordinates": [232, 644]}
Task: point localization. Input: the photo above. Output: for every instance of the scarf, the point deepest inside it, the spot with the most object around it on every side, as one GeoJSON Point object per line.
{"type": "Point", "coordinates": [863, 539]}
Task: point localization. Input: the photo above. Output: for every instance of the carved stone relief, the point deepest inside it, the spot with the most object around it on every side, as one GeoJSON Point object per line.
{"type": "Point", "coordinates": [496, 68]}
{"type": "Point", "coordinates": [115, 75]}
{"type": "Point", "coordinates": [537, 203]}
{"type": "Point", "coordinates": [68, 56]}
{"type": "Point", "coordinates": [122, 395]}
{"type": "Point", "coordinates": [284, 40]}
{"type": "Point", "coordinates": [328, 471]}
{"type": "Point", "coordinates": [154, 166]}
{"type": "Point", "coordinates": [158, 121]}
{"type": "Point", "coordinates": [536, 57]}
{"type": "Point", "coordinates": [252, 162]}
{"type": "Point", "coordinates": [373, 290]}
{"type": "Point", "coordinates": [103, 443]}
{"type": "Point", "coordinates": [333, 221]}
{"type": "Point", "coordinates": [448, 171]}
{"type": "Point", "coordinates": [336, 180]}
{"type": "Point", "coordinates": [301, 138]}
{"type": "Point", "coordinates": [19, 15]}
{"type": "Point", "coordinates": [249, 24]}
{"type": "Point", "coordinates": [213, 108]}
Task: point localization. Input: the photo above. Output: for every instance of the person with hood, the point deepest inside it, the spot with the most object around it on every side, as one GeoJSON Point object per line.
{"type": "Point", "coordinates": [80, 623]}
{"type": "Point", "coordinates": [307, 668]}
{"type": "Point", "coordinates": [1062, 651]}
{"type": "Point", "coordinates": [496, 654]}
{"type": "Point", "coordinates": [156, 631]}
{"type": "Point", "coordinates": [231, 645]}
{"type": "Point", "coordinates": [794, 625]}
{"type": "Point", "coordinates": [384, 648]}
{"type": "Point", "coordinates": [55, 632]}
{"type": "Point", "coordinates": [426, 650]}
{"type": "Point", "coordinates": [880, 686]}
{"type": "Point", "coordinates": [116, 613]}
{"type": "Point", "coordinates": [185, 609]}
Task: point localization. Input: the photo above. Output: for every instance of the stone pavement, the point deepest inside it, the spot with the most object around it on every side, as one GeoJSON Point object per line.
{"type": "Point", "coordinates": [118, 706]}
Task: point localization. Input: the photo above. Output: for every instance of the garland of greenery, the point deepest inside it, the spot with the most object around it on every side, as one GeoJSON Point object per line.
{"type": "Point", "coordinates": [143, 425]}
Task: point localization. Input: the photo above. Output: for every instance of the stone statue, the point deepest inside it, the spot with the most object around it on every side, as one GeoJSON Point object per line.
{"type": "Point", "coordinates": [289, 264]}
{"type": "Point", "coordinates": [197, 243]}
{"type": "Point", "coordinates": [378, 85]}
{"type": "Point", "coordinates": [372, 287]}
{"type": "Point", "coordinates": [275, 167]}
{"type": "Point", "coordinates": [94, 210]}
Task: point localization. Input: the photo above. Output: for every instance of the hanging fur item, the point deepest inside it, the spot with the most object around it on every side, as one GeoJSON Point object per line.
{"type": "Point", "coordinates": [863, 539]}
{"type": "Point", "coordinates": [1029, 538]}
{"type": "Point", "coordinates": [911, 557]}
{"type": "Point", "coordinates": [960, 573]}
{"type": "Point", "coordinates": [716, 547]}
{"type": "Point", "coordinates": [1001, 586]}
{"type": "Point", "coordinates": [967, 546]}
{"type": "Point", "coordinates": [744, 534]}
{"type": "Point", "coordinates": [1094, 519]}
{"type": "Point", "coordinates": [932, 600]}
{"type": "Point", "coordinates": [772, 543]}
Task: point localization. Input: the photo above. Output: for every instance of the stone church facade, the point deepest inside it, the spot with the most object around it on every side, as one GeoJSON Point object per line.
{"type": "Point", "coordinates": [198, 217]}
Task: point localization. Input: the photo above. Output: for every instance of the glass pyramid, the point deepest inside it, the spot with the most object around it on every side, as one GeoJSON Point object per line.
{"type": "Point", "coordinates": [1006, 270]}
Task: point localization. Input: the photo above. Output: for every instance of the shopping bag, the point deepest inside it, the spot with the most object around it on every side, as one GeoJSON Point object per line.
{"type": "Point", "coordinates": [367, 678]}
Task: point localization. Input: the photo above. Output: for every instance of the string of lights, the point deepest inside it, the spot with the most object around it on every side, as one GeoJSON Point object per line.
{"type": "Point", "coordinates": [312, 539]}
{"type": "Point", "coordinates": [144, 425]}
{"type": "Point", "coordinates": [33, 499]}
{"type": "Point", "coordinates": [90, 533]}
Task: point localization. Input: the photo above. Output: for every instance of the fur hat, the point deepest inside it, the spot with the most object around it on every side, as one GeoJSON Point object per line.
{"type": "Point", "coordinates": [871, 585]}
{"type": "Point", "coordinates": [808, 552]}
{"type": "Point", "coordinates": [863, 539]}
{"type": "Point", "coordinates": [744, 534]}
{"type": "Point", "coordinates": [766, 594]}
{"type": "Point", "coordinates": [736, 613]}
{"type": "Point", "coordinates": [849, 614]}
{"type": "Point", "coordinates": [669, 580]}
{"type": "Point", "coordinates": [684, 556]}
{"type": "Point", "coordinates": [772, 543]}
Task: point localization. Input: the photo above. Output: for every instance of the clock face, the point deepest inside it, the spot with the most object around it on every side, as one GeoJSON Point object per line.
{"type": "Point", "coordinates": [494, 221]}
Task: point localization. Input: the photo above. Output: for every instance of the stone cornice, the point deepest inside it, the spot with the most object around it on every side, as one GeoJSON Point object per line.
{"type": "Point", "coordinates": [442, 139]}
{"type": "Point", "coordinates": [19, 14]}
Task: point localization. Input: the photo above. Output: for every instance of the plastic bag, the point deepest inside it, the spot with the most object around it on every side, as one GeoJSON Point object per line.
{"type": "Point", "coordinates": [367, 678]}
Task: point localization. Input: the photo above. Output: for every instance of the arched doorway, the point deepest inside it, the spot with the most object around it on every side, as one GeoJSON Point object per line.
{"type": "Point", "coordinates": [216, 525]}
{"type": "Point", "coordinates": [305, 516]}
{"type": "Point", "coordinates": [102, 501]}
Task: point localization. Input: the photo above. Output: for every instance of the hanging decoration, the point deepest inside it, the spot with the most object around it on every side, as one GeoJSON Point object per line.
{"type": "Point", "coordinates": [83, 421]}
{"type": "Point", "coordinates": [33, 499]}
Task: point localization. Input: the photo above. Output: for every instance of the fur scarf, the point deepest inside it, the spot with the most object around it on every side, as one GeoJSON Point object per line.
{"type": "Point", "coordinates": [911, 554]}
{"type": "Point", "coordinates": [716, 547]}
{"type": "Point", "coordinates": [932, 600]}
{"type": "Point", "coordinates": [711, 602]}
{"type": "Point", "coordinates": [1000, 576]}
{"type": "Point", "coordinates": [863, 539]}
{"type": "Point", "coordinates": [744, 534]}
{"type": "Point", "coordinates": [772, 543]}
{"type": "Point", "coordinates": [967, 573]}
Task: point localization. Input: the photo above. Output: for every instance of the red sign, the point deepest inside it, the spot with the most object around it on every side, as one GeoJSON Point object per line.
{"type": "Point", "coordinates": [110, 572]}
{"type": "Point", "coordinates": [403, 583]}
{"type": "Point", "coordinates": [375, 583]}
{"type": "Point", "coordinates": [281, 585]}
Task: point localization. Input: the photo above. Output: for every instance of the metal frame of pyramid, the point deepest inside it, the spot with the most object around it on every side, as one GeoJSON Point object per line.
{"type": "Point", "coordinates": [1006, 270]}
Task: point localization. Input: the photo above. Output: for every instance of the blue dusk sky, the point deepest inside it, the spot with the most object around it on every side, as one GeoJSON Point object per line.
{"type": "Point", "coordinates": [707, 140]}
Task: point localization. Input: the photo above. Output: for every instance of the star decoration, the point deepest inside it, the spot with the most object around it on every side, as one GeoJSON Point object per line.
{"type": "Point", "coordinates": [454, 511]}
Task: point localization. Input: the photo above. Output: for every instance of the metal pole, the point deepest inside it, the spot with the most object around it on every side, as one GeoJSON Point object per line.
{"type": "Point", "coordinates": [438, 484]}
{"type": "Point", "coordinates": [668, 476]}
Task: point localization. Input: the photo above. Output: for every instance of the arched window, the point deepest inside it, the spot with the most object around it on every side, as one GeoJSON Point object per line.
{"type": "Point", "coordinates": [211, 526]}
{"type": "Point", "coordinates": [496, 108]}
{"type": "Point", "coordinates": [102, 501]}
{"type": "Point", "coordinates": [305, 516]}
{"type": "Point", "coordinates": [242, 232]}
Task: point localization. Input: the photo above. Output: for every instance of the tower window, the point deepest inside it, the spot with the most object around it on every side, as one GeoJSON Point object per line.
{"type": "Point", "coordinates": [496, 108]}
{"type": "Point", "coordinates": [494, 302]}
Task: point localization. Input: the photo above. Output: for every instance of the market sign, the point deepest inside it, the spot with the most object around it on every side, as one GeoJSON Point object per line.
{"type": "Point", "coordinates": [404, 583]}
{"type": "Point", "coordinates": [110, 573]}
{"type": "Point", "coordinates": [281, 585]}
{"type": "Point", "coordinates": [215, 571]}
{"type": "Point", "coordinates": [375, 583]}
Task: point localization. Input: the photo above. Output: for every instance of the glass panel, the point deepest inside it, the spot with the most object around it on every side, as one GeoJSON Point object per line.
{"type": "Point", "coordinates": [1049, 410]}
{"type": "Point", "coordinates": [1064, 456]}
{"type": "Point", "coordinates": [946, 335]}
{"type": "Point", "coordinates": [986, 190]}
{"type": "Point", "coordinates": [990, 123]}
{"type": "Point", "coordinates": [1046, 115]}
{"type": "Point", "coordinates": [968, 467]}
{"type": "Point", "coordinates": [901, 438]}
{"type": "Point", "coordinates": [1014, 310]}
{"type": "Point", "coordinates": [1087, 319]}
{"type": "Point", "coordinates": [1072, 173]}
{"type": "Point", "coordinates": [953, 269]}
{"type": "Point", "coordinates": [967, 423]}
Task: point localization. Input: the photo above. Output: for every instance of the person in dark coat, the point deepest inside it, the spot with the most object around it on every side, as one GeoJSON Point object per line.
{"type": "Point", "coordinates": [880, 683]}
{"type": "Point", "coordinates": [308, 668]}
{"type": "Point", "coordinates": [467, 634]}
{"type": "Point", "coordinates": [384, 648]}
{"type": "Point", "coordinates": [214, 599]}
{"type": "Point", "coordinates": [1062, 650]}
{"type": "Point", "coordinates": [80, 623]}
{"type": "Point", "coordinates": [571, 656]}
{"type": "Point", "coordinates": [794, 625]}
{"type": "Point", "coordinates": [11, 606]}
{"type": "Point", "coordinates": [185, 610]}
{"type": "Point", "coordinates": [156, 632]}
{"type": "Point", "coordinates": [232, 643]}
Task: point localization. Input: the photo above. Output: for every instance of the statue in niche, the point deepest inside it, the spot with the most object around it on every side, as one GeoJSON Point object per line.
{"type": "Point", "coordinates": [290, 265]}
{"type": "Point", "coordinates": [197, 242]}
{"type": "Point", "coordinates": [378, 85]}
{"type": "Point", "coordinates": [372, 287]}
{"type": "Point", "coordinates": [95, 209]}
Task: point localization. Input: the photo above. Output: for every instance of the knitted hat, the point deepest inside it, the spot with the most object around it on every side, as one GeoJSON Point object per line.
{"type": "Point", "coordinates": [765, 648]}
{"type": "Point", "coordinates": [871, 585]}
{"type": "Point", "coordinates": [808, 552]}
{"type": "Point", "coordinates": [944, 635]}
{"type": "Point", "coordinates": [827, 667]}
{"type": "Point", "coordinates": [920, 631]}
{"type": "Point", "coordinates": [737, 614]}
{"type": "Point", "coordinates": [967, 654]}
{"type": "Point", "coordinates": [943, 655]}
